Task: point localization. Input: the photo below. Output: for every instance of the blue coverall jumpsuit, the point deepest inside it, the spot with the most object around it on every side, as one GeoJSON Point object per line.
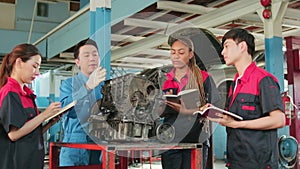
{"type": "Point", "coordinates": [74, 122]}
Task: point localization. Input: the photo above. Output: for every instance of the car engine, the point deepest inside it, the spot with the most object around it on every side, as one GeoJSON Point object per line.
{"type": "Point", "coordinates": [130, 108]}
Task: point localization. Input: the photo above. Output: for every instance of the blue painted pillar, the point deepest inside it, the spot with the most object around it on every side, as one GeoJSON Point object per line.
{"type": "Point", "coordinates": [100, 30]}
{"type": "Point", "coordinates": [274, 58]}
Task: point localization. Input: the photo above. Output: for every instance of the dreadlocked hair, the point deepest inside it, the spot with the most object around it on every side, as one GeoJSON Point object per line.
{"type": "Point", "coordinates": [196, 80]}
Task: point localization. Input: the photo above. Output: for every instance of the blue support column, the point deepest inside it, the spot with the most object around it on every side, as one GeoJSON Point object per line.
{"type": "Point", "coordinates": [100, 31]}
{"type": "Point", "coordinates": [274, 58]}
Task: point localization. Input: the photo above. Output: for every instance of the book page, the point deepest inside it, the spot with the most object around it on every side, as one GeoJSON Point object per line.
{"type": "Point", "coordinates": [212, 111]}
{"type": "Point", "coordinates": [183, 92]}
{"type": "Point", "coordinates": [190, 98]}
{"type": "Point", "coordinates": [187, 91]}
{"type": "Point", "coordinates": [63, 110]}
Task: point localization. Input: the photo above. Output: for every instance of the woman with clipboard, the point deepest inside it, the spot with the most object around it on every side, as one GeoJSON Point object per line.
{"type": "Point", "coordinates": [21, 141]}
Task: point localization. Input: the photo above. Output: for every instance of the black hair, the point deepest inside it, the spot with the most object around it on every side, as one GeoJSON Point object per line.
{"type": "Point", "coordinates": [239, 35]}
{"type": "Point", "coordinates": [82, 43]}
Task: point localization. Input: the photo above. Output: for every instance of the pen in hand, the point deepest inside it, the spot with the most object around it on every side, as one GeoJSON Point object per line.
{"type": "Point", "coordinates": [55, 119]}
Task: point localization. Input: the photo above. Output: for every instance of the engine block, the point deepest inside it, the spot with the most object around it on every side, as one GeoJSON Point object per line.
{"type": "Point", "coordinates": [128, 109]}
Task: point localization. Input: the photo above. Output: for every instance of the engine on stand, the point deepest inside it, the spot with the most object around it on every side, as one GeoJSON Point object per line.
{"type": "Point", "coordinates": [129, 109]}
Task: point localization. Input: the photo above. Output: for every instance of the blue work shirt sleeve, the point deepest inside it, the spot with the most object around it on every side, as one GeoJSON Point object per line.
{"type": "Point", "coordinates": [69, 92]}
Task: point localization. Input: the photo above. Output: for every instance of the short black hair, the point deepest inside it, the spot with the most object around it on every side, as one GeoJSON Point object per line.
{"type": "Point", "coordinates": [82, 43]}
{"type": "Point", "coordinates": [239, 35]}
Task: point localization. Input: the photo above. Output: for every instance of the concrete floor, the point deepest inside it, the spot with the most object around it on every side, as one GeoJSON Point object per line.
{"type": "Point", "coordinates": [218, 164]}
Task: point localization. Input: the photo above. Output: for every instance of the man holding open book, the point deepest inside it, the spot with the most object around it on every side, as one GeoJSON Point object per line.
{"type": "Point", "coordinates": [255, 96]}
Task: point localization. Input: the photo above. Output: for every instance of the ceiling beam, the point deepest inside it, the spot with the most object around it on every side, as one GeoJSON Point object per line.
{"type": "Point", "coordinates": [227, 13]}
{"type": "Point", "coordinates": [291, 23]}
{"type": "Point", "coordinates": [157, 24]}
{"type": "Point", "coordinates": [183, 7]}
{"type": "Point", "coordinates": [146, 43]}
{"type": "Point", "coordinates": [127, 38]}
{"type": "Point", "coordinates": [156, 52]}
{"type": "Point", "coordinates": [294, 32]}
{"type": "Point", "coordinates": [211, 19]}
{"type": "Point", "coordinates": [292, 13]}
{"type": "Point", "coordinates": [148, 23]}
{"type": "Point", "coordinates": [139, 60]}
{"type": "Point", "coordinates": [212, 16]}
{"type": "Point", "coordinates": [62, 37]}
{"type": "Point", "coordinates": [136, 66]}
{"type": "Point", "coordinates": [198, 9]}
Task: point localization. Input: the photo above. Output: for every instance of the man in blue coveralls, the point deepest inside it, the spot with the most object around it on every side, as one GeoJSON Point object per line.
{"type": "Point", "coordinates": [85, 88]}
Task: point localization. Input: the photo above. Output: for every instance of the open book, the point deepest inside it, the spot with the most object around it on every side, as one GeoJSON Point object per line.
{"type": "Point", "coordinates": [63, 110]}
{"type": "Point", "coordinates": [190, 97]}
{"type": "Point", "coordinates": [212, 111]}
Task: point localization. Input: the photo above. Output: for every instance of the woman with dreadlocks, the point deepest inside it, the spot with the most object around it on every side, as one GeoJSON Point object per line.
{"type": "Point", "coordinates": [184, 75]}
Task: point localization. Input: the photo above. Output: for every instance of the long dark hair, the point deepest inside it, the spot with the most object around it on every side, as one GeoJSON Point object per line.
{"type": "Point", "coordinates": [196, 79]}
{"type": "Point", "coordinates": [23, 51]}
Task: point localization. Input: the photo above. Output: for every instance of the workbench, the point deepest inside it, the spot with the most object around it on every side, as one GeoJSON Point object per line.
{"type": "Point", "coordinates": [118, 155]}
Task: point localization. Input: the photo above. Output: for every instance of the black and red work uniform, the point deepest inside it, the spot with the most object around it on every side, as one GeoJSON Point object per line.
{"type": "Point", "coordinates": [253, 95]}
{"type": "Point", "coordinates": [16, 108]}
{"type": "Point", "coordinates": [187, 127]}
